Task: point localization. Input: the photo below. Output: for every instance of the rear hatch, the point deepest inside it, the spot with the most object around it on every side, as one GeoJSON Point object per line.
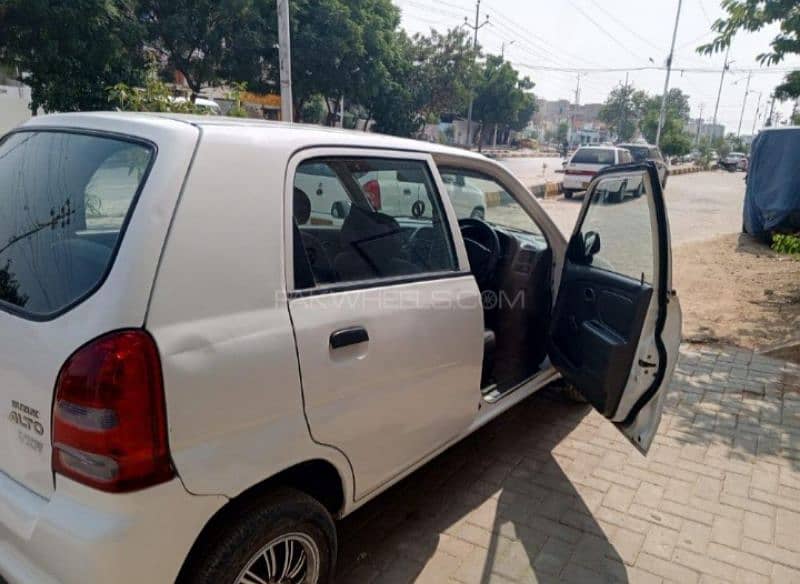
{"type": "Point", "coordinates": [67, 198]}
{"type": "Point", "coordinates": [587, 162]}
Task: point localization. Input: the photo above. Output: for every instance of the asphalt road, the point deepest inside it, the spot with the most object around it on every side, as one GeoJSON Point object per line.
{"type": "Point", "coordinates": [700, 206]}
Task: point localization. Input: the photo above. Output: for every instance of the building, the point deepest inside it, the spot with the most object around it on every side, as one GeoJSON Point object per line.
{"type": "Point", "coordinates": [700, 129]}
{"type": "Point", "coordinates": [15, 100]}
{"type": "Point", "coordinates": [584, 126]}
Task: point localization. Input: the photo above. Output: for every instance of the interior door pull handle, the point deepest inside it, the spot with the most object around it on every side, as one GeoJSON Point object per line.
{"type": "Point", "coordinates": [348, 336]}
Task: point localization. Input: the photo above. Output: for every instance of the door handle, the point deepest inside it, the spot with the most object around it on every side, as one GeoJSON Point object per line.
{"type": "Point", "coordinates": [348, 336]}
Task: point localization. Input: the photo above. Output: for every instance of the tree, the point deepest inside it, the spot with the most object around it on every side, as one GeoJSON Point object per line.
{"type": "Point", "coordinates": [753, 15]}
{"type": "Point", "coordinates": [674, 139]}
{"type": "Point", "coordinates": [70, 51]}
{"type": "Point", "coordinates": [201, 38]}
{"type": "Point", "coordinates": [502, 97]}
{"type": "Point", "coordinates": [623, 110]}
{"type": "Point", "coordinates": [445, 69]}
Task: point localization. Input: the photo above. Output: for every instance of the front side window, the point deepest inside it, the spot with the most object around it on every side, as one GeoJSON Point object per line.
{"type": "Point", "coordinates": [481, 197]}
{"type": "Point", "coordinates": [368, 218]}
{"type": "Point", "coordinates": [621, 216]}
{"type": "Point", "coordinates": [65, 198]}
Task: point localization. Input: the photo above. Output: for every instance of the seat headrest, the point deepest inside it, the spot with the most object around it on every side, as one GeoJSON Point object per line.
{"type": "Point", "coordinates": [362, 225]}
{"type": "Point", "coordinates": [302, 207]}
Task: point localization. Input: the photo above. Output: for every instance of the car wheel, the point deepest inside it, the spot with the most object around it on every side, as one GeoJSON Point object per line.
{"type": "Point", "coordinates": [568, 194]}
{"type": "Point", "coordinates": [285, 537]}
{"type": "Point", "coordinates": [570, 392]}
{"type": "Point", "coordinates": [639, 190]}
{"type": "Point", "coordinates": [617, 196]}
{"type": "Point", "coordinates": [478, 213]}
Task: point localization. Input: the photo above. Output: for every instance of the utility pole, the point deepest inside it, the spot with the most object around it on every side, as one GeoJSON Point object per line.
{"type": "Point", "coordinates": [475, 28]}
{"type": "Point", "coordinates": [719, 93]}
{"type": "Point", "coordinates": [503, 48]}
{"type": "Point", "coordinates": [623, 114]}
{"type": "Point", "coordinates": [285, 59]}
{"type": "Point", "coordinates": [758, 112]}
{"type": "Point", "coordinates": [572, 127]}
{"type": "Point", "coordinates": [744, 103]}
{"type": "Point", "coordinates": [699, 125]}
{"type": "Point", "coordinates": [771, 111]}
{"type": "Point", "coordinates": [663, 113]}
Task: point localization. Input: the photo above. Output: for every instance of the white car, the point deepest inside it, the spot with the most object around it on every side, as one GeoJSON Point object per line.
{"type": "Point", "coordinates": [586, 162]}
{"type": "Point", "coordinates": [198, 378]}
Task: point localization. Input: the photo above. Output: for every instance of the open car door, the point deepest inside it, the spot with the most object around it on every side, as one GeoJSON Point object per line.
{"type": "Point", "coordinates": [617, 322]}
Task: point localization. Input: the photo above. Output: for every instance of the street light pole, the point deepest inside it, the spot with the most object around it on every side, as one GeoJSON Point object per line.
{"type": "Point", "coordinates": [744, 103]}
{"type": "Point", "coordinates": [663, 112]}
{"type": "Point", "coordinates": [285, 60]}
{"type": "Point", "coordinates": [475, 30]}
{"type": "Point", "coordinates": [758, 112]}
{"type": "Point", "coordinates": [719, 93]}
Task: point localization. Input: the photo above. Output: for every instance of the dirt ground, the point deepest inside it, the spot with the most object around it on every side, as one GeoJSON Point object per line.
{"type": "Point", "coordinates": [735, 290]}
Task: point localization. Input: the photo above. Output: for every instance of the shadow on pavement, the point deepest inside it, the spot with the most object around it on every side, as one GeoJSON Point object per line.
{"type": "Point", "coordinates": [497, 507]}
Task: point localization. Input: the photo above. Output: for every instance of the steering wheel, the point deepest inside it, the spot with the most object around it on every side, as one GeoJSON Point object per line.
{"type": "Point", "coordinates": [483, 248]}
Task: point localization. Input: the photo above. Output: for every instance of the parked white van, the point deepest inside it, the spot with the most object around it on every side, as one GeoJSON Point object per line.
{"type": "Point", "coordinates": [199, 375]}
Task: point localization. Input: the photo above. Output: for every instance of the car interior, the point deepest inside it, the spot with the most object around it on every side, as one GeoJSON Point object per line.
{"type": "Point", "coordinates": [512, 268]}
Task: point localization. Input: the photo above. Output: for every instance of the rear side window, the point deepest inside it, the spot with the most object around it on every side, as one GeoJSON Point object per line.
{"type": "Point", "coordinates": [593, 156]}
{"type": "Point", "coordinates": [65, 200]}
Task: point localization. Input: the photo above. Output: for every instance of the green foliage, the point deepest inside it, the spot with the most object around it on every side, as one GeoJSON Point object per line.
{"type": "Point", "coordinates": [786, 243]}
{"type": "Point", "coordinates": [155, 96]}
{"type": "Point", "coordinates": [674, 139]}
{"type": "Point", "coordinates": [753, 15]}
{"type": "Point", "coordinates": [502, 97]}
{"type": "Point", "coordinates": [71, 50]}
{"type": "Point", "coordinates": [201, 39]}
{"type": "Point", "coordinates": [623, 111]}
{"type": "Point", "coordinates": [563, 130]}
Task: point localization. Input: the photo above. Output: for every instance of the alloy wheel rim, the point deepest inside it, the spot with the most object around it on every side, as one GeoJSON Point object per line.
{"type": "Point", "coordinates": [292, 558]}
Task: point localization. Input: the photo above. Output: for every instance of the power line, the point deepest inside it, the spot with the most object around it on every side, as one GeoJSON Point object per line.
{"type": "Point", "coordinates": [589, 70]}
{"type": "Point", "coordinates": [603, 30]}
{"type": "Point", "coordinates": [625, 26]}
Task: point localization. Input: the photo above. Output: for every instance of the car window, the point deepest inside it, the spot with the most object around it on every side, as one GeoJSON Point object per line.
{"type": "Point", "coordinates": [624, 157]}
{"type": "Point", "coordinates": [638, 153]}
{"type": "Point", "coordinates": [65, 198]}
{"type": "Point", "coordinates": [655, 154]}
{"type": "Point", "coordinates": [482, 197]}
{"type": "Point", "coordinates": [593, 156]}
{"type": "Point", "coordinates": [370, 218]}
{"type": "Point", "coordinates": [624, 226]}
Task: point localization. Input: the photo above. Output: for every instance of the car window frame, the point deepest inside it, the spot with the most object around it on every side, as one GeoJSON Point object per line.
{"type": "Point", "coordinates": [152, 147]}
{"type": "Point", "coordinates": [458, 250]}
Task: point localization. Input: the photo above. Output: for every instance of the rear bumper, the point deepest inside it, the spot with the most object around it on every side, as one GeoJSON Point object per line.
{"type": "Point", "coordinates": [85, 536]}
{"type": "Point", "coordinates": [576, 182]}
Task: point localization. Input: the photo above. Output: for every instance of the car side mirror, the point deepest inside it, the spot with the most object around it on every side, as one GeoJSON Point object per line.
{"type": "Point", "coordinates": [591, 244]}
{"type": "Point", "coordinates": [340, 209]}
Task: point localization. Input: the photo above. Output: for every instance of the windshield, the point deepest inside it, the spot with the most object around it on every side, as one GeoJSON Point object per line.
{"type": "Point", "coordinates": [593, 156]}
{"type": "Point", "coordinates": [65, 199]}
{"type": "Point", "coordinates": [481, 197]}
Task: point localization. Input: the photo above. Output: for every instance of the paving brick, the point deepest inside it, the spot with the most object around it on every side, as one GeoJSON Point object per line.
{"type": "Point", "coordinates": [694, 537]}
{"type": "Point", "coordinates": [758, 527]}
{"type": "Point", "coordinates": [787, 530]}
{"type": "Point", "coordinates": [619, 498]}
{"type": "Point", "coordinates": [739, 559]}
{"type": "Point", "coordinates": [704, 564]}
{"type": "Point", "coordinates": [667, 569]}
{"type": "Point", "coordinates": [727, 531]}
{"type": "Point", "coordinates": [772, 553]}
{"type": "Point", "coordinates": [661, 542]}
{"type": "Point", "coordinates": [784, 575]}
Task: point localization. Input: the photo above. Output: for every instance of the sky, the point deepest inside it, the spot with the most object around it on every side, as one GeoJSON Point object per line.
{"type": "Point", "coordinates": [582, 35]}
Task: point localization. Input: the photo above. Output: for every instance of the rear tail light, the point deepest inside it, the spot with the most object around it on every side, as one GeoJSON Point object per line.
{"type": "Point", "coordinates": [373, 191]}
{"type": "Point", "coordinates": [109, 416]}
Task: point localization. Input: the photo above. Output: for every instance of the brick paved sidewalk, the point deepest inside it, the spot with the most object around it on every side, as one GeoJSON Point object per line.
{"type": "Point", "coordinates": [551, 492]}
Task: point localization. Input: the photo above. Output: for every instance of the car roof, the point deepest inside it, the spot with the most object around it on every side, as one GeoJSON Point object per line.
{"type": "Point", "coordinates": [292, 136]}
{"type": "Point", "coordinates": [636, 145]}
{"type": "Point", "coordinates": [599, 148]}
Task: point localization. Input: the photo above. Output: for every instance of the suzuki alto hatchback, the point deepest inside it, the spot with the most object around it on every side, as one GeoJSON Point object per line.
{"type": "Point", "coordinates": [200, 372]}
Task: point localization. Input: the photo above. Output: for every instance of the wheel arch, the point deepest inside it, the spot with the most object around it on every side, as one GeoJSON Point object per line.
{"type": "Point", "coordinates": [318, 478]}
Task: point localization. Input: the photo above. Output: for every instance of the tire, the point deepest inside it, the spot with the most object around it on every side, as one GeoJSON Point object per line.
{"type": "Point", "coordinates": [478, 213]}
{"type": "Point", "coordinates": [237, 544]}
{"type": "Point", "coordinates": [571, 393]}
{"type": "Point", "coordinates": [616, 197]}
{"type": "Point", "coordinates": [568, 194]}
{"type": "Point", "coordinates": [639, 191]}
